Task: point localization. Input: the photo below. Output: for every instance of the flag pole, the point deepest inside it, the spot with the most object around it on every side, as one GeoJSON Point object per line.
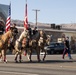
{"type": "Point", "coordinates": [10, 12]}
{"type": "Point", "coordinates": [26, 18]}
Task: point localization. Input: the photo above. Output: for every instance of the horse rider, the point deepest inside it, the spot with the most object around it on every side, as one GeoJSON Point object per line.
{"type": "Point", "coordinates": [35, 31]}
{"type": "Point", "coordinates": [29, 31]}
{"type": "Point", "coordinates": [16, 32]}
{"type": "Point", "coordinates": [29, 35]}
{"type": "Point", "coordinates": [15, 29]}
{"type": "Point", "coordinates": [11, 42]}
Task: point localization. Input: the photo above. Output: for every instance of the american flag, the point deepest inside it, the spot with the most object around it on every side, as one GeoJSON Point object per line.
{"type": "Point", "coordinates": [8, 20]}
{"type": "Point", "coordinates": [26, 18]}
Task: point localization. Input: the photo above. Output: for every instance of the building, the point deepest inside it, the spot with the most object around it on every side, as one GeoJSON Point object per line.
{"type": "Point", "coordinates": [3, 12]}
{"type": "Point", "coordinates": [3, 17]}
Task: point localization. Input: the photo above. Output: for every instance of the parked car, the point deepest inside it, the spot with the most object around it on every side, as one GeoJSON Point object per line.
{"type": "Point", "coordinates": [54, 47]}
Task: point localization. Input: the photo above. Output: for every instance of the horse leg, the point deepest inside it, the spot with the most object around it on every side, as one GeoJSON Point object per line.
{"type": "Point", "coordinates": [1, 58]}
{"type": "Point", "coordinates": [44, 55]}
{"type": "Point", "coordinates": [30, 55]}
{"type": "Point", "coordinates": [20, 57]}
{"type": "Point", "coordinates": [27, 53]}
{"type": "Point", "coordinates": [4, 51]}
{"type": "Point", "coordinates": [2, 54]}
{"type": "Point", "coordinates": [38, 55]}
{"type": "Point", "coordinates": [16, 55]}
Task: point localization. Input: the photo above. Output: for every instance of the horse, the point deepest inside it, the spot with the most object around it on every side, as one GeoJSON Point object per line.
{"type": "Point", "coordinates": [20, 45]}
{"type": "Point", "coordinates": [4, 38]}
{"type": "Point", "coordinates": [36, 43]}
{"type": "Point", "coordinates": [42, 42]}
{"type": "Point", "coordinates": [12, 42]}
{"type": "Point", "coordinates": [33, 45]}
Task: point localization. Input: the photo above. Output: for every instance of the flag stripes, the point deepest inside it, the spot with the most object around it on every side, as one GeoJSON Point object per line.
{"type": "Point", "coordinates": [8, 21]}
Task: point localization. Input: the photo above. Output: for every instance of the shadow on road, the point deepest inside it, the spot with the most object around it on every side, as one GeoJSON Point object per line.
{"type": "Point", "coordinates": [47, 61]}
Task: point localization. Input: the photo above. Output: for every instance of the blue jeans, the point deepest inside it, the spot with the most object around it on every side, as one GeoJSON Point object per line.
{"type": "Point", "coordinates": [67, 51]}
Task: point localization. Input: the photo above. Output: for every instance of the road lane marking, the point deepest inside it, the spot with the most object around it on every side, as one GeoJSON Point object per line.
{"type": "Point", "coordinates": [14, 73]}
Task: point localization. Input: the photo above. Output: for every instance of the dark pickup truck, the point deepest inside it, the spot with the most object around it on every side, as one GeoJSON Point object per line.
{"type": "Point", "coordinates": [54, 48]}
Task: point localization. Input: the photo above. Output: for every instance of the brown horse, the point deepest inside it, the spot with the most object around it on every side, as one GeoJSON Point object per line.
{"type": "Point", "coordinates": [37, 44]}
{"type": "Point", "coordinates": [42, 42]}
{"type": "Point", "coordinates": [4, 42]}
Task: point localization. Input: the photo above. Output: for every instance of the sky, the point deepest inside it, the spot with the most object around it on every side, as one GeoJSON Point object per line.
{"type": "Point", "coordinates": [51, 11]}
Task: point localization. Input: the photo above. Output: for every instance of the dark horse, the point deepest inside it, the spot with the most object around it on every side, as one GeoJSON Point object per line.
{"type": "Point", "coordinates": [37, 44]}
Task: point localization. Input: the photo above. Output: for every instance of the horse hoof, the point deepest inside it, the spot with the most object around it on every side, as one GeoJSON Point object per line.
{"type": "Point", "coordinates": [30, 60]}
{"type": "Point", "coordinates": [43, 59]}
{"type": "Point", "coordinates": [39, 60]}
{"type": "Point", "coordinates": [16, 61]}
{"type": "Point", "coordinates": [1, 60]}
{"type": "Point", "coordinates": [5, 61]}
{"type": "Point", "coordinates": [20, 61]}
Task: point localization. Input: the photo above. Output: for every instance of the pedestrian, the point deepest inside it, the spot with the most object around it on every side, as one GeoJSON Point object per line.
{"type": "Point", "coordinates": [66, 48]}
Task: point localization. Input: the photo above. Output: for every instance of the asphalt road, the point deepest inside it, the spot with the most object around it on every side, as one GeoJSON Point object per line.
{"type": "Point", "coordinates": [53, 65]}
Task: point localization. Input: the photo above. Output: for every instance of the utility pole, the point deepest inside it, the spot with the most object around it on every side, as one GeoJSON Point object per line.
{"type": "Point", "coordinates": [36, 15]}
